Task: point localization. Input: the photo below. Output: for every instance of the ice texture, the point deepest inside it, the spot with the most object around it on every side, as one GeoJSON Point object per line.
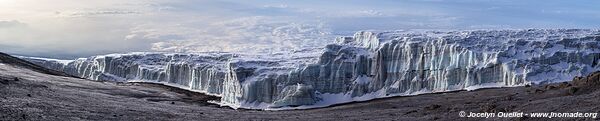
{"type": "Point", "coordinates": [365, 66]}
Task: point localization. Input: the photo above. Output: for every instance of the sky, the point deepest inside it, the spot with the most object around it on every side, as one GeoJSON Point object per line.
{"type": "Point", "coordinates": [80, 28]}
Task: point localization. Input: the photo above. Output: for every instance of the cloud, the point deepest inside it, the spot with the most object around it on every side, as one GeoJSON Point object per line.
{"type": "Point", "coordinates": [10, 32]}
{"type": "Point", "coordinates": [371, 13]}
{"type": "Point", "coordinates": [12, 24]}
{"type": "Point", "coordinates": [280, 6]}
{"type": "Point", "coordinates": [9, 47]}
{"type": "Point", "coordinates": [83, 28]}
{"type": "Point", "coordinates": [248, 34]}
{"type": "Point", "coordinates": [97, 13]}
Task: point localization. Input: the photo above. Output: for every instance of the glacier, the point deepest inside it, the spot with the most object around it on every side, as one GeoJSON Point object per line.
{"type": "Point", "coordinates": [365, 66]}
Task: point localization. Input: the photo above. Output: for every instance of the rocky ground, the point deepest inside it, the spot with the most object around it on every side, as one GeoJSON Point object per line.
{"type": "Point", "coordinates": [48, 95]}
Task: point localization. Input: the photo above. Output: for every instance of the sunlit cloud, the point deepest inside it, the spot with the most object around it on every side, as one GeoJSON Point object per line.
{"type": "Point", "coordinates": [75, 28]}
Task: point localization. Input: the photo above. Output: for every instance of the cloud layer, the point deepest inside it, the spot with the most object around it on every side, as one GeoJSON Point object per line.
{"type": "Point", "coordinates": [76, 28]}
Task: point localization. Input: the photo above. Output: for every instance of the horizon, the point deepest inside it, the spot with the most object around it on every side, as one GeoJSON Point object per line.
{"type": "Point", "coordinates": [67, 29]}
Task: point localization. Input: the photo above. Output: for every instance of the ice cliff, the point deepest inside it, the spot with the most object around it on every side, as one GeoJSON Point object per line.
{"type": "Point", "coordinates": [365, 66]}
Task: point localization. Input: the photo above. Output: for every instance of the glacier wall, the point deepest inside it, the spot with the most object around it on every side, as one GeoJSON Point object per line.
{"type": "Point", "coordinates": [195, 72]}
{"type": "Point", "coordinates": [365, 66]}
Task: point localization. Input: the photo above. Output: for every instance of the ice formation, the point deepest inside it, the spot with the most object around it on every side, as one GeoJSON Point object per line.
{"type": "Point", "coordinates": [365, 66]}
